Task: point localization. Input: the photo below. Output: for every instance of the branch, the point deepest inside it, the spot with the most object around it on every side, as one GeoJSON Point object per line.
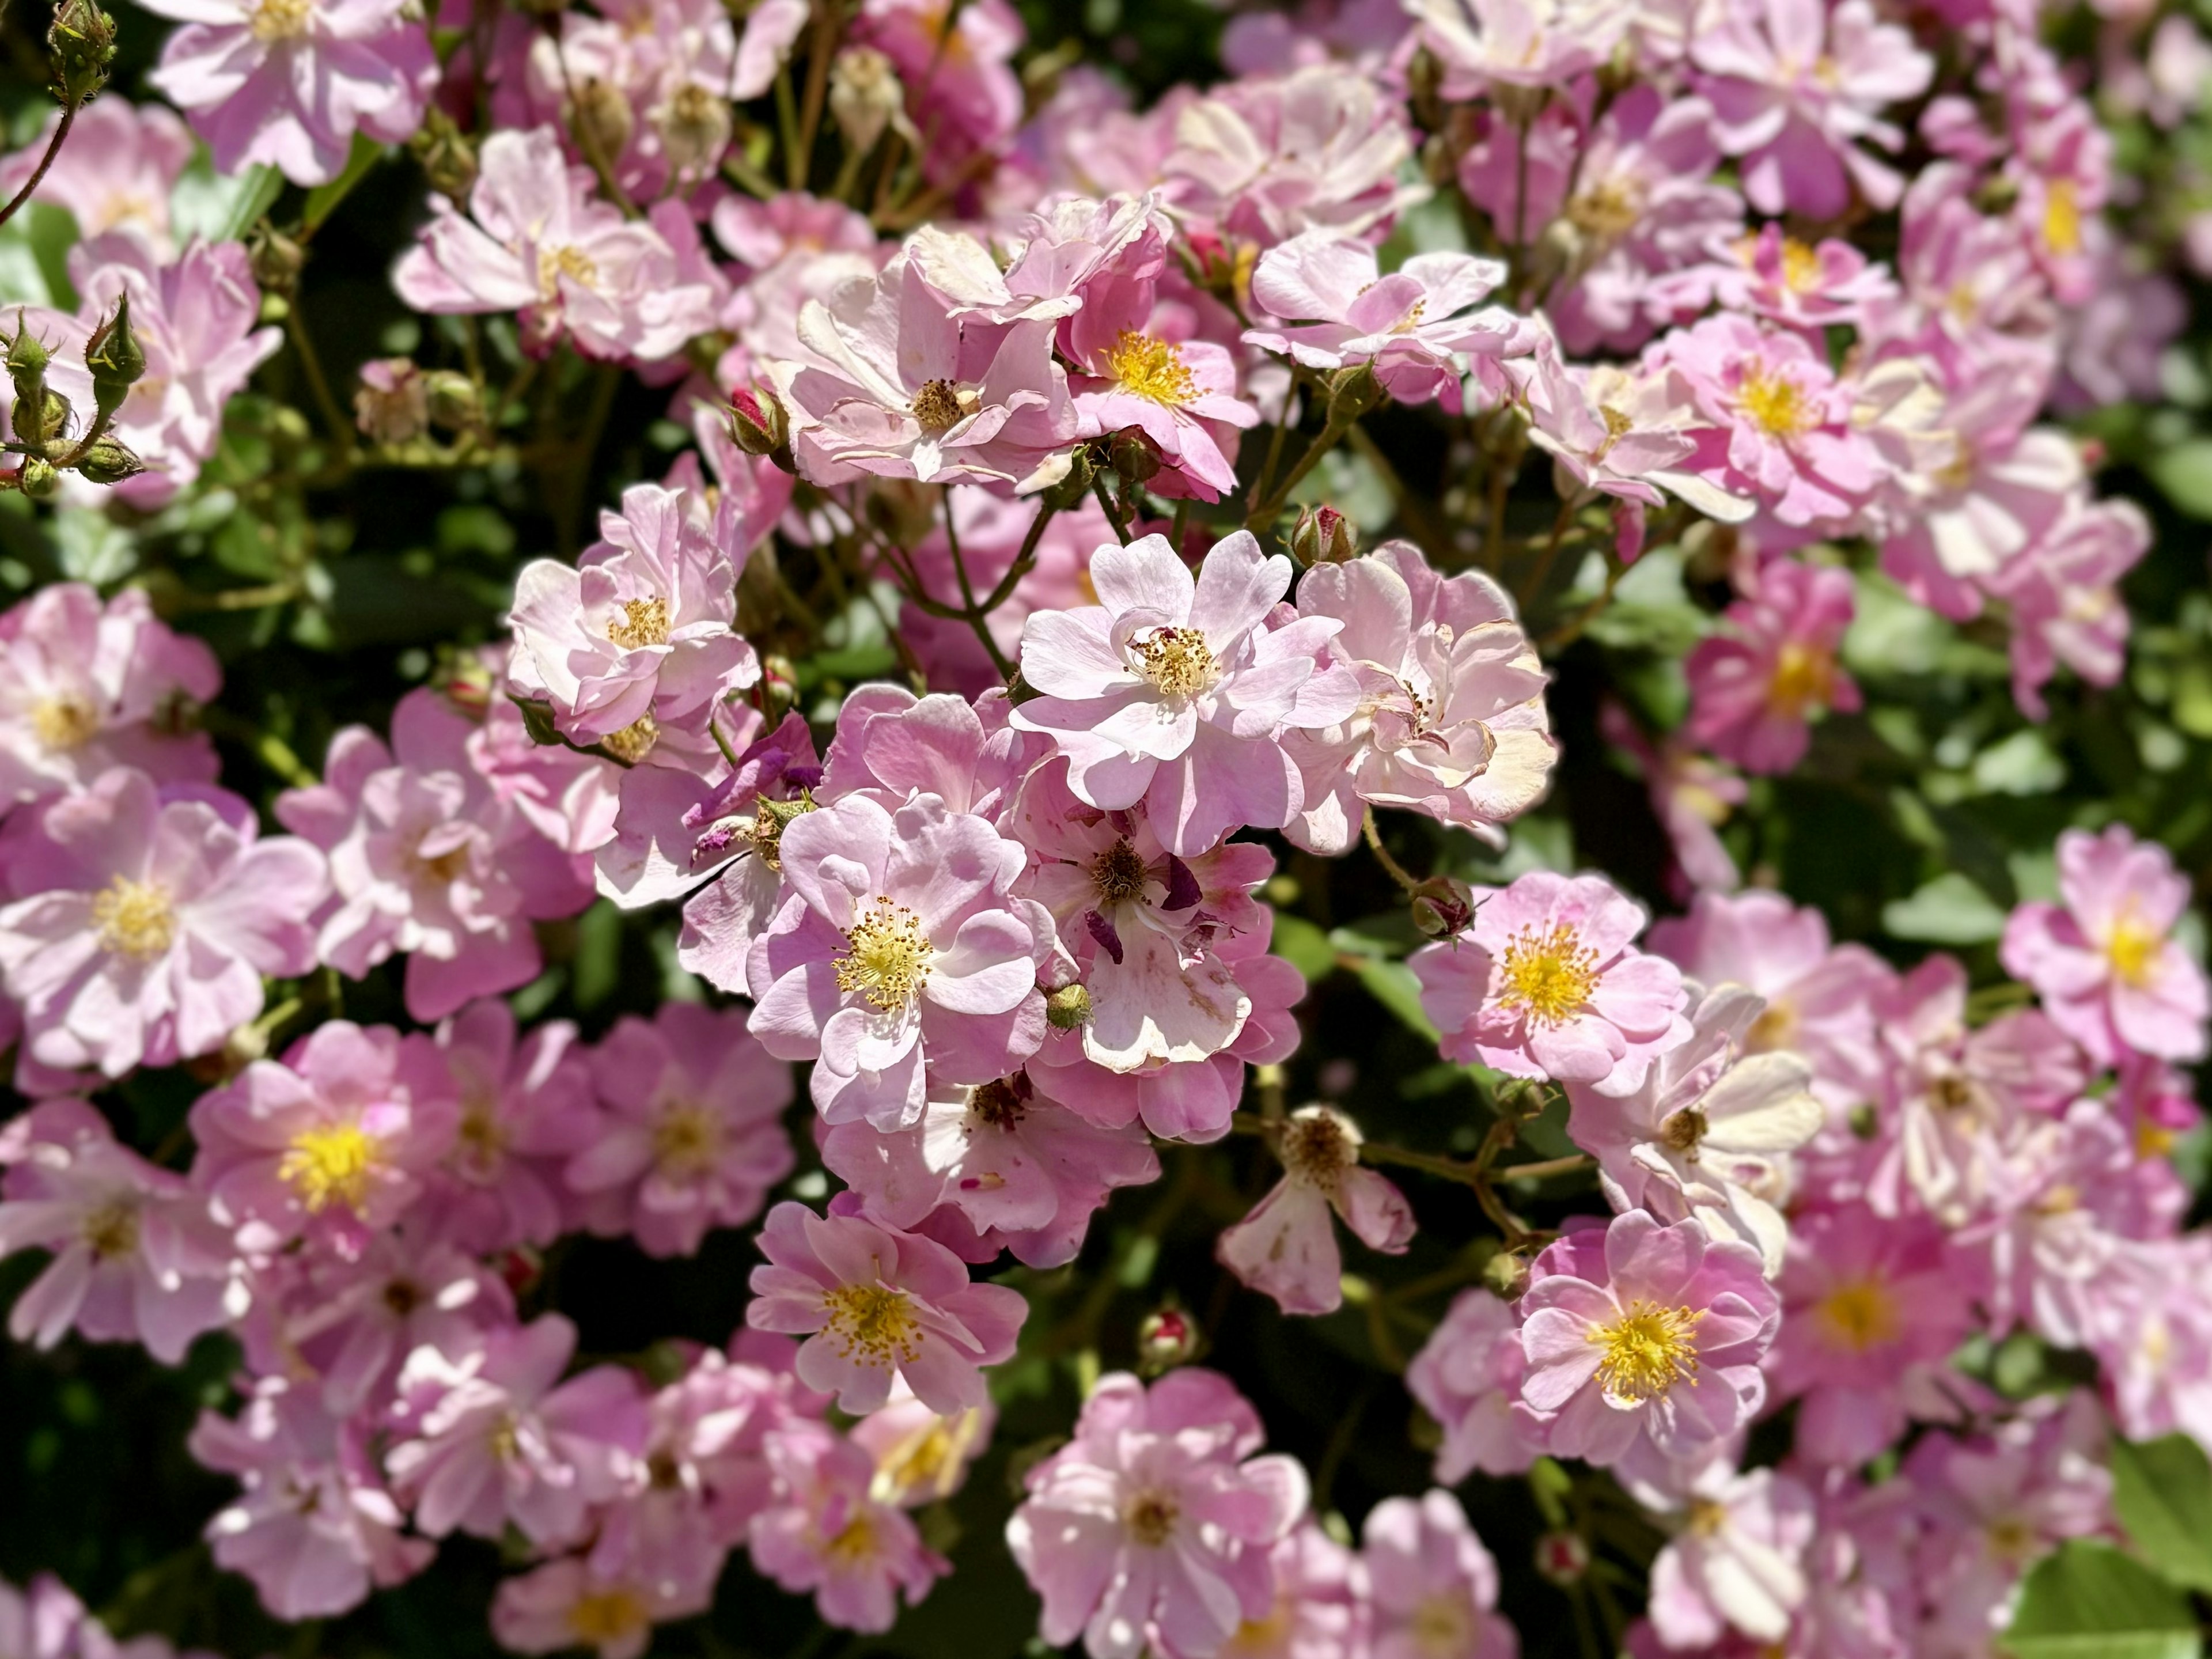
{"type": "Point", "coordinates": [38, 173]}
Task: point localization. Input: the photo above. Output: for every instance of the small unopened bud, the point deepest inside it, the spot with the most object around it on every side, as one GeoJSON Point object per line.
{"type": "Point", "coordinates": [1425, 79]}
{"type": "Point", "coordinates": [275, 258]}
{"type": "Point", "coordinates": [778, 684]}
{"type": "Point", "coordinates": [602, 118]}
{"type": "Point", "coordinates": [82, 43]}
{"type": "Point", "coordinates": [109, 461]}
{"type": "Point", "coordinates": [1134, 456]}
{"type": "Point", "coordinates": [865, 96]}
{"type": "Point", "coordinates": [758, 423]}
{"type": "Point", "coordinates": [1167, 1339]}
{"type": "Point", "coordinates": [466, 682]}
{"type": "Point", "coordinates": [1067, 1009]}
{"type": "Point", "coordinates": [1442, 906]}
{"type": "Point", "coordinates": [1323, 536]}
{"type": "Point", "coordinates": [454, 401]}
{"type": "Point", "coordinates": [41, 418]}
{"type": "Point", "coordinates": [1563, 1557]}
{"type": "Point", "coordinates": [1354, 391]}
{"type": "Point", "coordinates": [447, 155]}
{"type": "Point", "coordinates": [38, 479]}
{"type": "Point", "coordinates": [1507, 1275]}
{"type": "Point", "coordinates": [116, 361]}
{"type": "Point", "coordinates": [27, 355]}
{"type": "Point", "coordinates": [392, 405]}
{"type": "Point", "coordinates": [1068, 491]}
{"type": "Point", "coordinates": [521, 1267]}
{"type": "Point", "coordinates": [695, 128]}
{"type": "Point", "coordinates": [1865, 1122]}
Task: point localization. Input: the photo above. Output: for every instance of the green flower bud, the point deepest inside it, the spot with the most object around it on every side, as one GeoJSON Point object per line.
{"type": "Point", "coordinates": [80, 44]}
{"type": "Point", "coordinates": [1067, 1009]}
{"type": "Point", "coordinates": [1323, 536]}
{"type": "Point", "coordinates": [38, 479]}
{"type": "Point", "coordinates": [1068, 491]}
{"type": "Point", "coordinates": [447, 154]}
{"type": "Point", "coordinates": [40, 418]}
{"type": "Point", "coordinates": [116, 359]}
{"type": "Point", "coordinates": [109, 461]}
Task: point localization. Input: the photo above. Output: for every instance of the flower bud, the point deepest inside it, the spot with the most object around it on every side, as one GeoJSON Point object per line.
{"type": "Point", "coordinates": [1067, 492]}
{"type": "Point", "coordinates": [1506, 1274]}
{"type": "Point", "coordinates": [1067, 1009]}
{"type": "Point", "coordinates": [1563, 1557]}
{"type": "Point", "coordinates": [1442, 906]}
{"type": "Point", "coordinates": [392, 405]}
{"type": "Point", "coordinates": [80, 42]}
{"type": "Point", "coordinates": [865, 96]}
{"type": "Point", "coordinates": [695, 128]}
{"type": "Point", "coordinates": [275, 257]}
{"type": "Point", "coordinates": [1134, 456]}
{"type": "Point", "coordinates": [109, 461]}
{"type": "Point", "coordinates": [1425, 79]}
{"type": "Point", "coordinates": [41, 419]}
{"type": "Point", "coordinates": [778, 685]}
{"type": "Point", "coordinates": [1354, 391]}
{"type": "Point", "coordinates": [464, 682]}
{"type": "Point", "coordinates": [1323, 536]}
{"type": "Point", "coordinates": [1167, 1339]}
{"type": "Point", "coordinates": [446, 154]}
{"type": "Point", "coordinates": [602, 118]}
{"type": "Point", "coordinates": [758, 423]}
{"type": "Point", "coordinates": [38, 479]}
{"type": "Point", "coordinates": [27, 356]}
{"type": "Point", "coordinates": [455, 403]}
{"type": "Point", "coordinates": [116, 359]}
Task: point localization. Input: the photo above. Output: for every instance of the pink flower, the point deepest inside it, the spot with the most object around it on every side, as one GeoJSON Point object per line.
{"type": "Point", "coordinates": [875, 1302]}
{"type": "Point", "coordinates": [494, 1436]}
{"type": "Point", "coordinates": [1547, 983]}
{"type": "Point", "coordinates": [526, 1107]}
{"type": "Point", "coordinates": [1432, 1586]}
{"type": "Point", "coordinates": [153, 917]}
{"type": "Point", "coordinates": [640, 634]}
{"type": "Point", "coordinates": [1152, 1526]}
{"type": "Point", "coordinates": [43, 1622]}
{"type": "Point", "coordinates": [1320, 1609]}
{"type": "Point", "coordinates": [568, 796]}
{"type": "Point", "coordinates": [1466, 1376]}
{"type": "Point", "coordinates": [1801, 285]}
{"type": "Point", "coordinates": [1799, 90]}
{"type": "Point", "coordinates": [427, 862]}
{"type": "Point", "coordinates": [1753, 687]}
{"type": "Point", "coordinates": [922, 1457]}
{"type": "Point", "coordinates": [692, 1137]}
{"type": "Point", "coordinates": [1451, 718]}
{"type": "Point", "coordinates": [2109, 974]}
{"type": "Point", "coordinates": [314, 1527]}
{"type": "Point", "coordinates": [826, 1533]}
{"type": "Point", "coordinates": [114, 174]}
{"type": "Point", "coordinates": [1413, 326]}
{"type": "Point", "coordinates": [1738, 1560]}
{"type": "Point", "coordinates": [899, 946]}
{"type": "Point", "coordinates": [967, 95]}
{"type": "Point", "coordinates": [287, 82]}
{"type": "Point", "coordinates": [1286, 1247]}
{"type": "Point", "coordinates": [133, 1254]}
{"type": "Point", "coordinates": [2151, 1333]}
{"type": "Point", "coordinates": [538, 242]}
{"type": "Point", "coordinates": [2065, 600]}
{"type": "Point", "coordinates": [1871, 1307]}
{"type": "Point", "coordinates": [1177, 693]}
{"type": "Point", "coordinates": [84, 687]}
{"type": "Point", "coordinates": [1137, 369]}
{"type": "Point", "coordinates": [332, 1143]}
{"type": "Point", "coordinates": [1485, 45]}
{"type": "Point", "coordinates": [1622, 434]}
{"type": "Point", "coordinates": [1638, 1334]}
{"type": "Point", "coordinates": [567, 1603]}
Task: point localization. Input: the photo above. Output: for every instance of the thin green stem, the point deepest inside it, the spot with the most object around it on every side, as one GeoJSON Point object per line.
{"type": "Point", "coordinates": [1098, 489]}
{"type": "Point", "coordinates": [296, 325]}
{"type": "Point", "coordinates": [38, 173]}
{"type": "Point", "coordinates": [1397, 871]}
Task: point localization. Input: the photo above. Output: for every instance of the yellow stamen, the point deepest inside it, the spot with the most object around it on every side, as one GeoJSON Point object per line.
{"type": "Point", "coordinates": [937, 407]}
{"type": "Point", "coordinates": [645, 622]}
{"type": "Point", "coordinates": [886, 959]}
{"type": "Point", "coordinates": [1804, 677]}
{"type": "Point", "coordinates": [1151, 1519]}
{"type": "Point", "coordinates": [1176, 659]}
{"type": "Point", "coordinates": [602, 1618]}
{"type": "Point", "coordinates": [65, 722]}
{"type": "Point", "coordinates": [1775, 403]}
{"type": "Point", "coordinates": [330, 1165]}
{"type": "Point", "coordinates": [2062, 218]}
{"type": "Point", "coordinates": [873, 1325]}
{"type": "Point", "coordinates": [111, 1230]}
{"type": "Point", "coordinates": [2133, 949]}
{"type": "Point", "coordinates": [1648, 1349]}
{"type": "Point", "coordinates": [686, 1141]}
{"type": "Point", "coordinates": [1801, 266]}
{"type": "Point", "coordinates": [1547, 974]}
{"type": "Point", "coordinates": [280, 20]}
{"type": "Point", "coordinates": [135, 919]}
{"type": "Point", "coordinates": [1150, 367]}
{"type": "Point", "coordinates": [1857, 1317]}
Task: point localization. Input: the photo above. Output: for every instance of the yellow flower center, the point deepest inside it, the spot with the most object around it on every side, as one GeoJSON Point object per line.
{"type": "Point", "coordinates": [1774, 1028]}
{"type": "Point", "coordinates": [1606, 210]}
{"type": "Point", "coordinates": [686, 1141]}
{"type": "Point", "coordinates": [1150, 367]}
{"type": "Point", "coordinates": [937, 407]}
{"type": "Point", "coordinates": [1548, 973]}
{"type": "Point", "coordinates": [600, 1618]}
{"type": "Point", "coordinates": [2154, 1139]}
{"type": "Point", "coordinates": [886, 959]}
{"type": "Point", "coordinates": [1801, 266]}
{"type": "Point", "coordinates": [330, 1165]}
{"type": "Point", "coordinates": [645, 622]}
{"type": "Point", "coordinates": [65, 722]}
{"type": "Point", "coordinates": [1442, 1626]}
{"type": "Point", "coordinates": [1151, 1518]}
{"type": "Point", "coordinates": [874, 1324]}
{"type": "Point", "coordinates": [1118, 874]}
{"type": "Point", "coordinates": [281, 20]}
{"type": "Point", "coordinates": [135, 919]}
{"type": "Point", "coordinates": [1647, 1351]}
{"type": "Point", "coordinates": [926, 1461]}
{"type": "Point", "coordinates": [1804, 677]}
{"type": "Point", "coordinates": [2062, 218]}
{"type": "Point", "coordinates": [1775, 403]}
{"type": "Point", "coordinates": [1176, 659]}
{"type": "Point", "coordinates": [479, 1142]}
{"type": "Point", "coordinates": [854, 1543]}
{"type": "Point", "coordinates": [1857, 1317]}
{"type": "Point", "coordinates": [555, 263]}
{"type": "Point", "coordinates": [996, 1105]}
{"type": "Point", "coordinates": [2132, 949]}
{"type": "Point", "coordinates": [112, 1230]}
{"type": "Point", "coordinates": [1315, 1149]}
{"type": "Point", "coordinates": [635, 741]}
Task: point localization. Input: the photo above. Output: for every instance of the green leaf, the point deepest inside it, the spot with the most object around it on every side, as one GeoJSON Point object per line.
{"type": "Point", "coordinates": [263, 185]}
{"type": "Point", "coordinates": [1393, 985]}
{"type": "Point", "coordinates": [1304, 946]}
{"type": "Point", "coordinates": [1948, 910]}
{"type": "Point", "coordinates": [323, 200]}
{"type": "Point", "coordinates": [2162, 1493]}
{"type": "Point", "coordinates": [2185, 473]}
{"type": "Point", "coordinates": [2087, 1601]}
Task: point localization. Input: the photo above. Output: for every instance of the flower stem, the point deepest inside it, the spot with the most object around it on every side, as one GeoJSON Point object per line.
{"type": "Point", "coordinates": [38, 173]}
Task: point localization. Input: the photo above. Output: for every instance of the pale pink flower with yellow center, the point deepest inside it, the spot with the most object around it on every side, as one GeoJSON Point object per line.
{"type": "Point", "coordinates": [1466, 1376]}
{"type": "Point", "coordinates": [1753, 685]}
{"type": "Point", "coordinates": [827, 1531]}
{"type": "Point", "coordinates": [567, 1604]}
{"type": "Point", "coordinates": [1432, 1586]}
{"type": "Point", "coordinates": [1286, 1247]}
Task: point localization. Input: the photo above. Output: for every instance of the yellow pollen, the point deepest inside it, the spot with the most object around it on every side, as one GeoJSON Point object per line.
{"type": "Point", "coordinates": [112, 1230]}
{"type": "Point", "coordinates": [599, 1618]}
{"type": "Point", "coordinates": [1606, 211]}
{"type": "Point", "coordinates": [886, 959]}
{"type": "Point", "coordinates": [1151, 1519]}
{"type": "Point", "coordinates": [331, 1166]}
{"type": "Point", "coordinates": [1774, 1028]}
{"type": "Point", "coordinates": [1548, 973]}
{"type": "Point", "coordinates": [1684, 1131]}
{"type": "Point", "coordinates": [873, 1325]}
{"type": "Point", "coordinates": [1857, 1317]}
{"type": "Point", "coordinates": [1775, 403]}
{"type": "Point", "coordinates": [996, 1105]}
{"type": "Point", "coordinates": [1315, 1149]}
{"type": "Point", "coordinates": [686, 1141]}
{"type": "Point", "coordinates": [927, 1461]}
{"type": "Point", "coordinates": [1150, 367]}
{"type": "Point", "coordinates": [937, 407]}
{"type": "Point", "coordinates": [1176, 659]}
{"type": "Point", "coordinates": [1118, 874]}
{"type": "Point", "coordinates": [2062, 218]}
{"type": "Point", "coordinates": [2154, 1139]}
{"type": "Point", "coordinates": [1704, 1517]}
{"type": "Point", "coordinates": [635, 741]}
{"type": "Point", "coordinates": [1804, 677]}
{"type": "Point", "coordinates": [1648, 1350]}
{"type": "Point", "coordinates": [280, 20]}
{"type": "Point", "coordinates": [64, 722]}
{"type": "Point", "coordinates": [555, 263]}
{"type": "Point", "coordinates": [1440, 1626]}
{"type": "Point", "coordinates": [1411, 319]}
{"type": "Point", "coordinates": [854, 1543]}
{"type": "Point", "coordinates": [2132, 949]}
{"type": "Point", "coordinates": [645, 622]}
{"type": "Point", "coordinates": [135, 919]}
{"type": "Point", "coordinates": [1801, 266]}
{"type": "Point", "coordinates": [447, 867]}
{"type": "Point", "coordinates": [479, 1142]}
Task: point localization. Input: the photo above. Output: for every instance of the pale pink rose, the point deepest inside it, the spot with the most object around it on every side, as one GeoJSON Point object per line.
{"type": "Point", "coordinates": [1807, 286]}
{"type": "Point", "coordinates": [1871, 1308]}
{"type": "Point", "coordinates": [427, 862]}
{"type": "Point", "coordinates": [1691, 796]}
{"type": "Point", "coordinates": [1753, 684]}
{"type": "Point", "coordinates": [1639, 1333]}
{"type": "Point", "coordinates": [825, 1531]}
{"type": "Point", "coordinates": [893, 746]}
{"type": "Point", "coordinates": [900, 945]}
{"type": "Point", "coordinates": [1547, 983]}
{"type": "Point", "coordinates": [539, 242]}
{"type": "Point", "coordinates": [312, 1527]}
{"type": "Point", "coordinates": [567, 1604]}
{"type": "Point", "coordinates": [494, 1437]}
{"type": "Point", "coordinates": [1738, 1557]}
{"type": "Point", "coordinates": [43, 1620]}
{"type": "Point", "coordinates": [1177, 692]}
{"type": "Point", "coordinates": [1143, 365]}
{"type": "Point", "coordinates": [875, 1302]}
{"type": "Point", "coordinates": [288, 83]}
{"type": "Point", "coordinates": [691, 1136]}
{"type": "Point", "coordinates": [86, 686]}
{"type": "Point", "coordinates": [1431, 1587]}
{"type": "Point", "coordinates": [115, 172]}
{"type": "Point", "coordinates": [966, 95]}
{"type": "Point", "coordinates": [1485, 44]}
{"type": "Point", "coordinates": [761, 234]}
{"type": "Point", "coordinates": [132, 1254]}
{"type": "Point", "coordinates": [2104, 961]}
{"type": "Point", "coordinates": [332, 1143]}
{"type": "Point", "coordinates": [921, 1456]}
{"type": "Point", "coordinates": [526, 1106]}
{"type": "Point", "coordinates": [1451, 720]}
{"type": "Point", "coordinates": [150, 918]}
{"type": "Point", "coordinates": [2151, 1333]}
{"type": "Point", "coordinates": [2064, 595]}
{"type": "Point", "coordinates": [671, 64]}
{"type": "Point", "coordinates": [1321, 1610]}
{"type": "Point", "coordinates": [640, 634]}
{"type": "Point", "coordinates": [1466, 1376]}
{"type": "Point", "coordinates": [1622, 433]}
{"type": "Point", "coordinates": [1153, 1526]}
{"type": "Point", "coordinates": [1286, 1247]}
{"type": "Point", "coordinates": [568, 796]}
